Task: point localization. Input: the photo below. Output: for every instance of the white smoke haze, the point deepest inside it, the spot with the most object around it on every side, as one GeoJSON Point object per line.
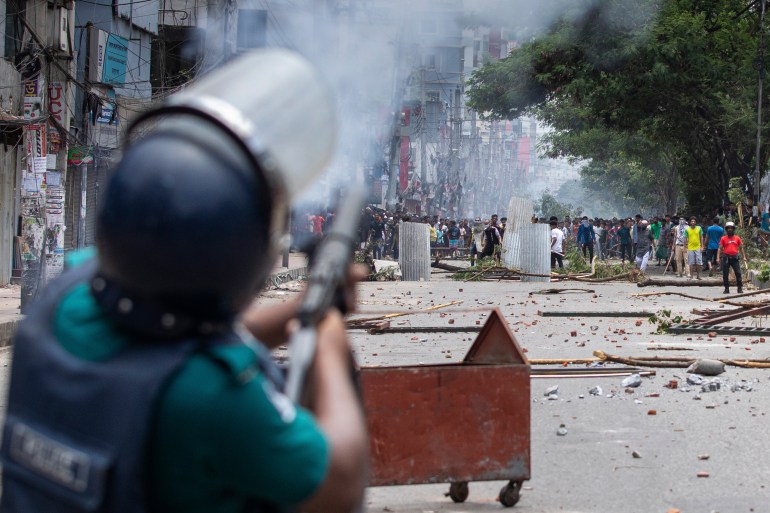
{"type": "Point", "coordinates": [370, 51]}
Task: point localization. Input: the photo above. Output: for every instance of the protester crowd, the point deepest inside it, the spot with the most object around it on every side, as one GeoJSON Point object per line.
{"type": "Point", "coordinates": [687, 246]}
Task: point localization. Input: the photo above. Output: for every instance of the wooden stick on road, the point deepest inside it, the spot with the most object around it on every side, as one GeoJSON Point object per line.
{"type": "Point", "coordinates": [663, 362]}
{"type": "Point", "coordinates": [562, 361]}
{"type": "Point", "coordinates": [677, 283]}
{"type": "Point", "coordinates": [670, 258]}
{"type": "Point", "coordinates": [636, 362]}
{"type": "Point", "coordinates": [400, 314]}
{"type": "Point", "coordinates": [726, 300]}
{"type": "Point", "coordinates": [721, 299]}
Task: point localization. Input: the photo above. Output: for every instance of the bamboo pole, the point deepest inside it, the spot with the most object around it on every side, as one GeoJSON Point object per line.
{"type": "Point", "coordinates": [725, 300]}
{"type": "Point", "coordinates": [720, 300]}
{"type": "Point", "coordinates": [661, 362]}
{"type": "Point", "coordinates": [562, 361]}
{"type": "Point", "coordinates": [354, 322]}
{"type": "Point", "coordinates": [676, 283]}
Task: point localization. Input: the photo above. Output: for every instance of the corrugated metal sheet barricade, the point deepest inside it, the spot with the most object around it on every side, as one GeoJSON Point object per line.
{"type": "Point", "coordinates": [414, 251]}
{"type": "Point", "coordinates": [519, 214]}
{"type": "Point", "coordinates": [535, 251]}
{"type": "Point", "coordinates": [512, 246]}
{"type": "Point", "coordinates": [453, 423]}
{"type": "Point", "coordinates": [520, 211]}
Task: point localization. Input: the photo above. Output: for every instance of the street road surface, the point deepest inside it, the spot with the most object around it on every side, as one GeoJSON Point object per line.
{"type": "Point", "coordinates": [592, 468]}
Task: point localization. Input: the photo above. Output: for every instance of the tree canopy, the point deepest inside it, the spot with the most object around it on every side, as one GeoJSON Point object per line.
{"type": "Point", "coordinates": [662, 91]}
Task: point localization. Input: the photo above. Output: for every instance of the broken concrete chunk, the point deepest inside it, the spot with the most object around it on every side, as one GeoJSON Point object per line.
{"type": "Point", "coordinates": [707, 367]}
{"type": "Point", "coordinates": [694, 379]}
{"type": "Point", "coordinates": [632, 381]}
{"type": "Point", "coordinates": [711, 386]}
{"type": "Point", "coordinates": [551, 390]}
{"type": "Point", "coordinates": [596, 391]}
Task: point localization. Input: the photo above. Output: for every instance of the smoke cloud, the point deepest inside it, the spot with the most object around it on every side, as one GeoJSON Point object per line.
{"type": "Point", "coordinates": [369, 52]}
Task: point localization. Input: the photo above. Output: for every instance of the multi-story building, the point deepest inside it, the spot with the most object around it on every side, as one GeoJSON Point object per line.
{"type": "Point", "coordinates": [35, 113]}
{"type": "Point", "coordinates": [390, 63]}
{"type": "Point", "coordinates": [113, 48]}
{"type": "Point", "coordinates": [12, 125]}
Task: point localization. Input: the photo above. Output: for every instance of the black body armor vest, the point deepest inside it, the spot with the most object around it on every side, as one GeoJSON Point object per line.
{"type": "Point", "coordinates": [76, 431]}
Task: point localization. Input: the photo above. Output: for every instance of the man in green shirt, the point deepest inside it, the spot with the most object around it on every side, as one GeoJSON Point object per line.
{"type": "Point", "coordinates": [624, 236]}
{"type": "Point", "coordinates": [210, 422]}
{"type": "Point", "coordinates": [655, 228]}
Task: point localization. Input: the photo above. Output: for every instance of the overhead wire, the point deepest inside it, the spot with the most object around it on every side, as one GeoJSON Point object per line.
{"type": "Point", "coordinates": [115, 4]}
{"type": "Point", "coordinates": [277, 25]}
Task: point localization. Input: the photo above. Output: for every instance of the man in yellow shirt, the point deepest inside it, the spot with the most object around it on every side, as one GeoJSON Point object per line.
{"type": "Point", "coordinates": [433, 233]}
{"type": "Point", "coordinates": [695, 244]}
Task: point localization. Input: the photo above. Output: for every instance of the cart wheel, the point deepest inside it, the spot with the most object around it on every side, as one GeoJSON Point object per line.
{"type": "Point", "coordinates": [509, 494]}
{"type": "Point", "coordinates": [458, 492]}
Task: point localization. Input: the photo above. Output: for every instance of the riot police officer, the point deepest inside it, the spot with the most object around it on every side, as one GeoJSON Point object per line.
{"type": "Point", "coordinates": [142, 379]}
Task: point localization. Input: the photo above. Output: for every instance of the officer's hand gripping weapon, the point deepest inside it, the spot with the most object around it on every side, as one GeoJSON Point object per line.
{"type": "Point", "coordinates": [325, 290]}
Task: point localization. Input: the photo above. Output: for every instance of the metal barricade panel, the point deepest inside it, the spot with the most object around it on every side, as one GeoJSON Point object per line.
{"type": "Point", "coordinates": [520, 211]}
{"type": "Point", "coordinates": [536, 252]}
{"type": "Point", "coordinates": [414, 251]}
{"type": "Point", "coordinates": [458, 422]}
{"type": "Point", "coordinates": [448, 423]}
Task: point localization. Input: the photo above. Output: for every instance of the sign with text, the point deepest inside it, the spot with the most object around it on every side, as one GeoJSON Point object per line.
{"type": "Point", "coordinates": [115, 60]}
{"type": "Point", "coordinates": [36, 145]}
{"type": "Point", "coordinates": [33, 107]}
{"type": "Point", "coordinates": [30, 87]}
{"type": "Point", "coordinates": [56, 104]}
{"type": "Point", "coordinates": [107, 57]}
{"type": "Point", "coordinates": [97, 45]}
{"type": "Point", "coordinates": [78, 155]}
{"type": "Point", "coordinates": [108, 113]}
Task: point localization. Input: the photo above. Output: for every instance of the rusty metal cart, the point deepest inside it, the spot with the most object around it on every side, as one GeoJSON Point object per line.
{"type": "Point", "coordinates": [453, 423]}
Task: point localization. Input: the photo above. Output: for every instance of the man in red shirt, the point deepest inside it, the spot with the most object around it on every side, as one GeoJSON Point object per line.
{"type": "Point", "coordinates": [318, 225]}
{"type": "Point", "coordinates": [728, 252]}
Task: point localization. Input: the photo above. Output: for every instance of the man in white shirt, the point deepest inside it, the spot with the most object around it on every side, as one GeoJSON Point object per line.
{"type": "Point", "coordinates": [557, 246]}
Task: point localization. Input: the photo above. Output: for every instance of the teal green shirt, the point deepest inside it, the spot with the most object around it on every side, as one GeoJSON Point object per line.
{"type": "Point", "coordinates": [215, 444]}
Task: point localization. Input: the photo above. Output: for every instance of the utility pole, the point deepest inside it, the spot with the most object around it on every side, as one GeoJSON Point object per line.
{"type": "Point", "coordinates": [423, 121]}
{"type": "Point", "coordinates": [458, 131]}
{"type": "Point", "coordinates": [761, 66]}
{"type": "Point", "coordinates": [451, 172]}
{"type": "Point", "coordinates": [474, 164]}
{"type": "Point", "coordinates": [396, 105]}
{"type": "Point", "coordinates": [488, 176]}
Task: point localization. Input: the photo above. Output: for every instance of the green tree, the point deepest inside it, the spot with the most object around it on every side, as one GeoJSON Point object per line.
{"type": "Point", "coordinates": [627, 172]}
{"type": "Point", "coordinates": [672, 82]}
{"type": "Point", "coordinates": [548, 206]}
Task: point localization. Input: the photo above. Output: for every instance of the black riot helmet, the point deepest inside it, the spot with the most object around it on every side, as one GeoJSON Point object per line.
{"type": "Point", "coordinates": [183, 231]}
{"type": "Point", "coordinates": [193, 217]}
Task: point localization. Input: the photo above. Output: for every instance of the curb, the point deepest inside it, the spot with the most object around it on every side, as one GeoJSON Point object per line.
{"type": "Point", "coordinates": [7, 331]}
